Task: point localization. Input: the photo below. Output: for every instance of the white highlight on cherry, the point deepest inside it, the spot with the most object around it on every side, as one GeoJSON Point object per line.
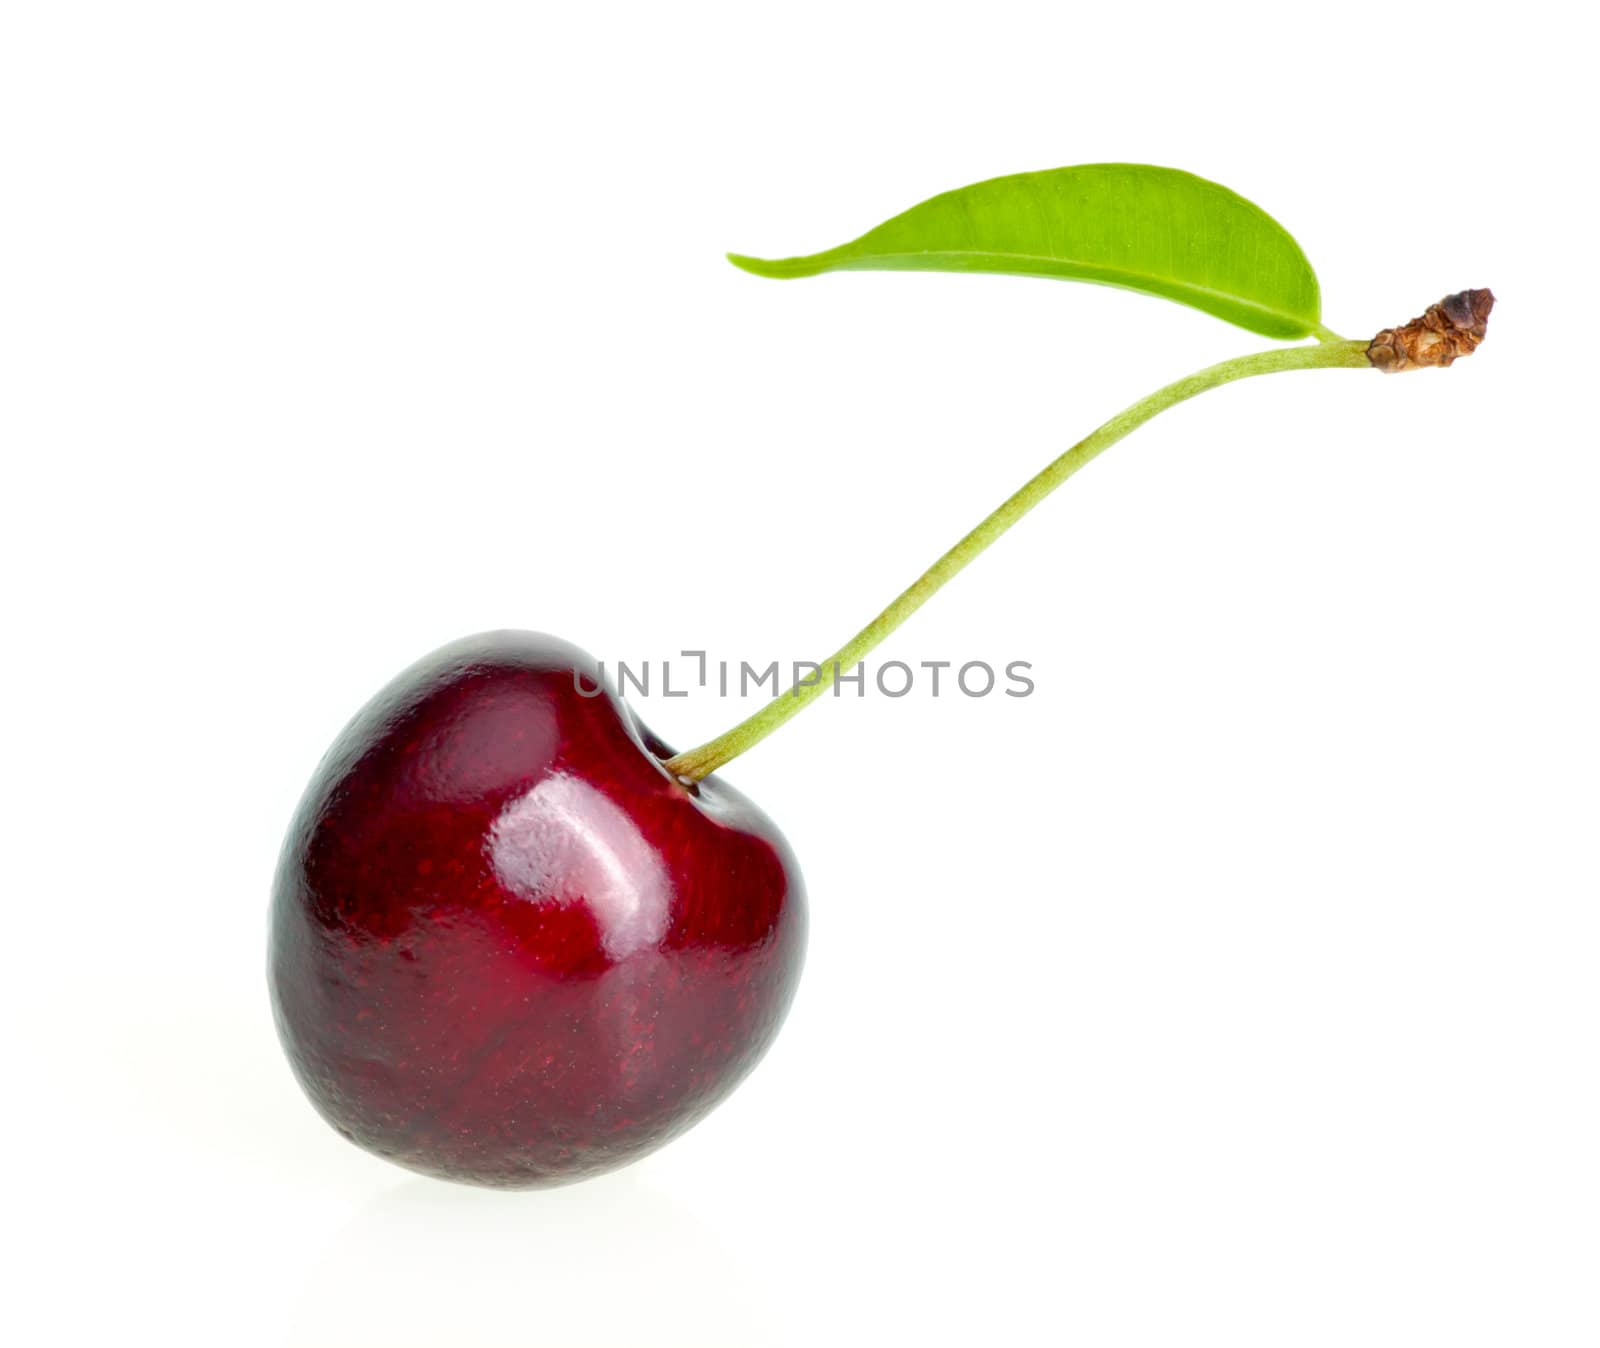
{"type": "Point", "coordinates": [564, 842]}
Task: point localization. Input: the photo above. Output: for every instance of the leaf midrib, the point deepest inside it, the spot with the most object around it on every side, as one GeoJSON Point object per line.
{"type": "Point", "coordinates": [1185, 287]}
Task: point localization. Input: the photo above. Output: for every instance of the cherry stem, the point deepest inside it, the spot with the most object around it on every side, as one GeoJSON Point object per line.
{"type": "Point", "coordinates": [694, 764]}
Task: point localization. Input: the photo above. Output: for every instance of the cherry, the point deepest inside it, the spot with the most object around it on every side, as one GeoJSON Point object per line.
{"type": "Point", "coordinates": [510, 947]}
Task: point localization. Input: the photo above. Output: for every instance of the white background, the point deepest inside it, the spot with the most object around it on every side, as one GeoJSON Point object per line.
{"type": "Point", "coordinates": [1239, 987]}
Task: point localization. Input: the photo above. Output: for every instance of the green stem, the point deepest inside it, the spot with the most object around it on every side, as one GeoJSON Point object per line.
{"type": "Point", "coordinates": [694, 764]}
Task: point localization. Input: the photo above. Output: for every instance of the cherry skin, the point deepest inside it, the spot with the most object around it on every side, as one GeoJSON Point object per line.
{"type": "Point", "coordinates": [507, 947]}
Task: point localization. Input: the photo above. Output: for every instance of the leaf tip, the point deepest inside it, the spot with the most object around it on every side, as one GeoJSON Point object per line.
{"type": "Point", "coordinates": [782, 269]}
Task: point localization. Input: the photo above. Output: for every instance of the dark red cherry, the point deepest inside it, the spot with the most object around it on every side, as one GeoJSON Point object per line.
{"type": "Point", "coordinates": [507, 946]}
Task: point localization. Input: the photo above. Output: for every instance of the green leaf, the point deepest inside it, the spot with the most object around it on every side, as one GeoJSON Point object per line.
{"type": "Point", "coordinates": [1158, 230]}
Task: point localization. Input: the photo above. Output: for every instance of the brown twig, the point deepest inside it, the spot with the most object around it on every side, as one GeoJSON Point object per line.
{"type": "Point", "coordinates": [1452, 327]}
